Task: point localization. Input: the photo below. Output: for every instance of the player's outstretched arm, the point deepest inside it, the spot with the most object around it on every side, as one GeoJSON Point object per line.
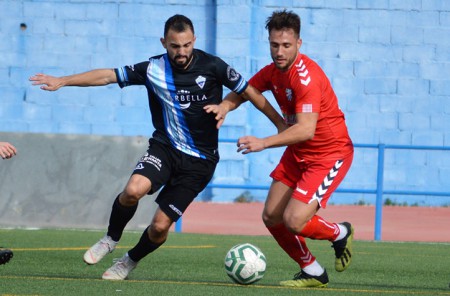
{"type": "Point", "coordinates": [95, 77]}
{"type": "Point", "coordinates": [7, 150]}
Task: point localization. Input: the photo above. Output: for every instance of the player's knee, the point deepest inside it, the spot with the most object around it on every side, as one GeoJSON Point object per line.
{"type": "Point", "coordinates": [136, 188]}
{"type": "Point", "coordinates": [294, 228]}
{"type": "Point", "coordinates": [270, 219]}
{"type": "Point", "coordinates": [158, 231]}
{"type": "Point", "coordinates": [130, 196]}
{"type": "Point", "coordinates": [294, 224]}
{"type": "Point", "coordinates": [128, 200]}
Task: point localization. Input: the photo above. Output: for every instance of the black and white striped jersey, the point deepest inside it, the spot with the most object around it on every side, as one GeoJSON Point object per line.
{"type": "Point", "coordinates": [177, 97]}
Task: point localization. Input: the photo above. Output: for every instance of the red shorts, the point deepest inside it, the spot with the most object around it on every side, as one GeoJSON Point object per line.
{"type": "Point", "coordinates": [311, 180]}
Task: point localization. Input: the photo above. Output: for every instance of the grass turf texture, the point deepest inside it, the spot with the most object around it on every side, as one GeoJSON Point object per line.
{"type": "Point", "coordinates": [49, 262]}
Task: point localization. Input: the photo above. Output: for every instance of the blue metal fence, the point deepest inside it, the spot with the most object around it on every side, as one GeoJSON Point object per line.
{"type": "Point", "coordinates": [379, 191]}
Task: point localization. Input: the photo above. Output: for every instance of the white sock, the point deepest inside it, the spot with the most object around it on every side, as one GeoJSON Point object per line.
{"type": "Point", "coordinates": [314, 269]}
{"type": "Point", "coordinates": [342, 232]}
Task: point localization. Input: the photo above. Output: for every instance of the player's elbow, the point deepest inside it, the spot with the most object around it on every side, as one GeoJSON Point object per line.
{"type": "Point", "coordinates": [305, 133]}
{"type": "Point", "coordinates": [309, 131]}
{"type": "Point", "coordinates": [107, 76]}
{"type": "Point", "coordinates": [309, 135]}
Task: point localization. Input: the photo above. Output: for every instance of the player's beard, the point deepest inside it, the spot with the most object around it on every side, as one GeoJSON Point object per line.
{"type": "Point", "coordinates": [284, 64]}
{"type": "Point", "coordinates": [181, 65]}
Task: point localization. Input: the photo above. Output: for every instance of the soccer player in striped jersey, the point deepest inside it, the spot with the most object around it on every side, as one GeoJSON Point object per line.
{"type": "Point", "coordinates": [183, 150]}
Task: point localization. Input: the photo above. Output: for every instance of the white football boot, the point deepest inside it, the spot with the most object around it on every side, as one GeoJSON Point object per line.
{"type": "Point", "coordinates": [99, 250]}
{"type": "Point", "coordinates": [120, 269]}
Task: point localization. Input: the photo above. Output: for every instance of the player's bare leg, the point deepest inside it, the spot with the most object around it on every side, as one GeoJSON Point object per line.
{"type": "Point", "coordinates": [276, 202]}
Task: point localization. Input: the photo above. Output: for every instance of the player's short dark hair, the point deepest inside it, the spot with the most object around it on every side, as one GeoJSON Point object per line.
{"type": "Point", "coordinates": [283, 19]}
{"type": "Point", "coordinates": [178, 23]}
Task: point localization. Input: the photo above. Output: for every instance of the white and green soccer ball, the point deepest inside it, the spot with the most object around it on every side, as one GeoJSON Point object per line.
{"type": "Point", "coordinates": [245, 264]}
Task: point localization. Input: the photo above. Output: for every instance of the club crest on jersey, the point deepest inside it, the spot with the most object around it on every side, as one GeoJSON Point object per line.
{"type": "Point", "coordinates": [289, 94]}
{"type": "Point", "coordinates": [232, 74]}
{"type": "Point", "coordinates": [200, 81]}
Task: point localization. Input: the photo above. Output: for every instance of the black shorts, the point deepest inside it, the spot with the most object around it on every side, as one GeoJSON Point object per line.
{"type": "Point", "coordinates": [183, 176]}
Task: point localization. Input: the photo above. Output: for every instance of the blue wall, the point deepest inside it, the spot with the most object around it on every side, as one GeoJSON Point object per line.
{"type": "Point", "coordinates": [388, 60]}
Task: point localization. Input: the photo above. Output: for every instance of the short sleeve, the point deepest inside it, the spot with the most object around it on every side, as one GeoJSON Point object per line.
{"type": "Point", "coordinates": [132, 75]}
{"type": "Point", "coordinates": [229, 77]}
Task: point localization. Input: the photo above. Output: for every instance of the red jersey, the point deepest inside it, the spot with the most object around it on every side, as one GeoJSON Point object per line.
{"type": "Point", "coordinates": [305, 88]}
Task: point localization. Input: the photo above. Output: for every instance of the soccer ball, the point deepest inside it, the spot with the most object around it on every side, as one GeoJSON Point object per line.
{"type": "Point", "coordinates": [245, 264]}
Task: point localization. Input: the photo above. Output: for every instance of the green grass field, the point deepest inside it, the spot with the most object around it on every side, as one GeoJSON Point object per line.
{"type": "Point", "coordinates": [49, 262]}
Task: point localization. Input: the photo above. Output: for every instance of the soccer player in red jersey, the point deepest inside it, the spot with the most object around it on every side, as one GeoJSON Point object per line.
{"type": "Point", "coordinates": [318, 155]}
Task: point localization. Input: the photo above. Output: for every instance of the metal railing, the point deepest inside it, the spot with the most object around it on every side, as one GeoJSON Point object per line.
{"type": "Point", "coordinates": [379, 191]}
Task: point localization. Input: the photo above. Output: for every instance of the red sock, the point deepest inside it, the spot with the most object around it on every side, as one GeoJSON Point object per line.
{"type": "Point", "coordinates": [318, 228]}
{"type": "Point", "coordinates": [293, 245]}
